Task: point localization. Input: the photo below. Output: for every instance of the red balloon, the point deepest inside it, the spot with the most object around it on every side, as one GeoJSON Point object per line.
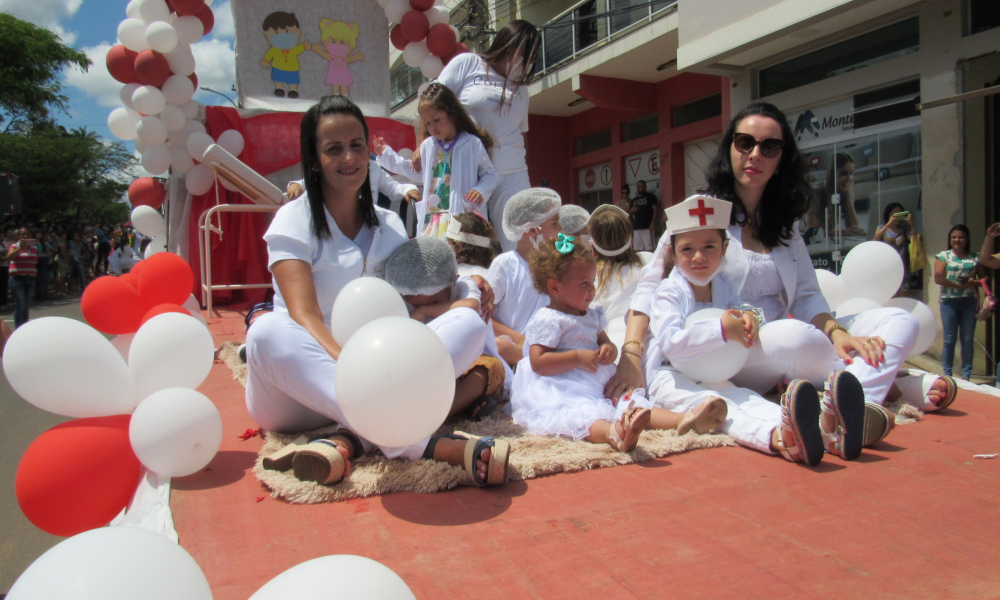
{"type": "Point", "coordinates": [146, 191]}
{"type": "Point", "coordinates": [152, 68]}
{"type": "Point", "coordinates": [165, 279]}
{"type": "Point", "coordinates": [414, 25]}
{"type": "Point", "coordinates": [121, 64]}
{"type": "Point", "coordinates": [135, 272]}
{"type": "Point", "coordinates": [396, 37]}
{"type": "Point", "coordinates": [194, 79]}
{"type": "Point", "coordinates": [110, 305]}
{"type": "Point", "coordinates": [421, 5]}
{"type": "Point", "coordinates": [187, 7]}
{"type": "Point", "coordinates": [164, 308]}
{"type": "Point", "coordinates": [207, 18]}
{"type": "Point", "coordinates": [131, 278]}
{"type": "Point", "coordinates": [460, 48]}
{"type": "Point", "coordinates": [441, 40]}
{"type": "Point", "coordinates": [78, 475]}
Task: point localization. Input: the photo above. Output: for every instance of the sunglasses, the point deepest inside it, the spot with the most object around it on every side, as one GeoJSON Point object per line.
{"type": "Point", "coordinates": [769, 148]}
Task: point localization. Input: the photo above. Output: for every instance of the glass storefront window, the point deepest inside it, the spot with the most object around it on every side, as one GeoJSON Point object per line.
{"type": "Point", "coordinates": [698, 110]}
{"type": "Point", "coordinates": [592, 141]}
{"type": "Point", "coordinates": [641, 127]}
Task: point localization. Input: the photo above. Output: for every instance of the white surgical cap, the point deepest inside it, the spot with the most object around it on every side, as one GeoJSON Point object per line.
{"type": "Point", "coordinates": [528, 209]}
{"type": "Point", "coordinates": [573, 219]}
{"type": "Point", "coordinates": [421, 267]}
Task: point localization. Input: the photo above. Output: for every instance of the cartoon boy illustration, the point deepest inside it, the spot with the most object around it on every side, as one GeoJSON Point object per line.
{"type": "Point", "coordinates": [340, 40]}
{"type": "Point", "coordinates": [284, 34]}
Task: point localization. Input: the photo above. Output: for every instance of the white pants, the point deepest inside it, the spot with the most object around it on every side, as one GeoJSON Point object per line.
{"type": "Point", "coordinates": [642, 240]}
{"type": "Point", "coordinates": [509, 185]}
{"type": "Point", "coordinates": [791, 349]}
{"type": "Point", "coordinates": [750, 421]}
{"type": "Point", "coordinates": [290, 377]}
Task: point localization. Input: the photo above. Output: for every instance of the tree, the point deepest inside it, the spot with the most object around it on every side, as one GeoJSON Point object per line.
{"type": "Point", "coordinates": [30, 66]}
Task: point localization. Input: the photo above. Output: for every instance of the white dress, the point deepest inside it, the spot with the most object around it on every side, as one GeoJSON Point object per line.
{"type": "Point", "coordinates": [569, 403]}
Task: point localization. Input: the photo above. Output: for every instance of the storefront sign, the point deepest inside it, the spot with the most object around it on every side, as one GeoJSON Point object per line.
{"type": "Point", "coordinates": [595, 178]}
{"type": "Point", "coordinates": [823, 121]}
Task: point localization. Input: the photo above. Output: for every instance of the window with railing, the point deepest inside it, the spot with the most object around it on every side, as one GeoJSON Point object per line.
{"type": "Point", "coordinates": [592, 141]}
{"type": "Point", "coordinates": [698, 110]}
{"type": "Point", "coordinates": [588, 23]}
{"type": "Point", "coordinates": [403, 84]}
{"type": "Point", "coordinates": [641, 127]}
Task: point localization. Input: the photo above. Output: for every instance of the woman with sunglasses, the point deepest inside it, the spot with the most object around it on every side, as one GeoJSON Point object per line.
{"type": "Point", "coordinates": [759, 169]}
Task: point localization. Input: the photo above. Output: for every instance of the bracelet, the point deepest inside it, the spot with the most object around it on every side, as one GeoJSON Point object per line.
{"type": "Point", "coordinates": [632, 353]}
{"type": "Point", "coordinates": [836, 327]}
{"type": "Point", "coordinates": [642, 348]}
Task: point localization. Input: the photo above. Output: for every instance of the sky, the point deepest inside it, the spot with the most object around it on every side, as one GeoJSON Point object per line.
{"type": "Point", "coordinates": [91, 26]}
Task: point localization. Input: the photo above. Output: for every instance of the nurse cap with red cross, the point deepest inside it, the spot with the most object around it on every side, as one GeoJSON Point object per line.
{"type": "Point", "coordinates": [699, 212]}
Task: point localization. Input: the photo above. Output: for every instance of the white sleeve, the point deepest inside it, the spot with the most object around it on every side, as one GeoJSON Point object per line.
{"type": "Point", "coordinates": [488, 178]}
{"type": "Point", "coordinates": [667, 325]}
{"type": "Point", "coordinates": [454, 73]}
{"type": "Point", "coordinates": [497, 277]}
{"type": "Point", "coordinates": [290, 234]}
{"type": "Point", "coordinates": [466, 289]}
{"type": "Point", "coordinates": [809, 300]}
{"type": "Point", "coordinates": [390, 187]}
{"type": "Point", "coordinates": [650, 277]}
{"type": "Point", "coordinates": [395, 163]}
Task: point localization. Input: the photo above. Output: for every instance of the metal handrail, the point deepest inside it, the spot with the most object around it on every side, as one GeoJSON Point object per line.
{"type": "Point", "coordinates": [205, 231]}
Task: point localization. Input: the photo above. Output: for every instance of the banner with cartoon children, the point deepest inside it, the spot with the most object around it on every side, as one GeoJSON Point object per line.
{"type": "Point", "coordinates": [289, 53]}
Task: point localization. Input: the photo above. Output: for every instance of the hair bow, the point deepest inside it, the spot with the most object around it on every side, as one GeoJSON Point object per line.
{"type": "Point", "coordinates": [565, 243]}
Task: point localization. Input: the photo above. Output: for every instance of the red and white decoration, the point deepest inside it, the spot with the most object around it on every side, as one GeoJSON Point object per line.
{"type": "Point", "coordinates": [422, 33]}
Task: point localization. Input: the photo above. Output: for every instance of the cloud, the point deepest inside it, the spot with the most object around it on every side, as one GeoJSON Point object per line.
{"type": "Point", "coordinates": [97, 82]}
{"type": "Point", "coordinates": [44, 13]}
{"type": "Point", "coordinates": [224, 27]}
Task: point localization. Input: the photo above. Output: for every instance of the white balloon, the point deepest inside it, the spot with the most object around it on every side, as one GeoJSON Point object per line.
{"type": "Point", "coordinates": [153, 10]}
{"type": "Point", "coordinates": [199, 180]}
{"type": "Point", "coordinates": [872, 270]}
{"type": "Point", "coordinates": [113, 563]}
{"type": "Point", "coordinates": [148, 221]}
{"type": "Point", "coordinates": [232, 141]}
{"type": "Point", "coordinates": [715, 365]}
{"type": "Point", "coordinates": [362, 301]}
{"type": "Point", "coordinates": [395, 9]}
{"type": "Point", "coordinates": [855, 306]}
{"type": "Point", "coordinates": [132, 35]}
{"type": "Point", "coordinates": [122, 123]}
{"type": "Point", "coordinates": [193, 307]}
{"type": "Point", "coordinates": [156, 245]}
{"type": "Point", "coordinates": [175, 432]}
{"type": "Point", "coordinates": [181, 60]}
{"type": "Point", "coordinates": [422, 87]}
{"type": "Point", "coordinates": [132, 10]}
{"type": "Point", "coordinates": [437, 15]}
{"type": "Point", "coordinates": [189, 29]}
{"type": "Point", "coordinates": [180, 161]}
{"type": "Point", "coordinates": [177, 90]}
{"type": "Point", "coordinates": [126, 94]}
{"type": "Point", "coordinates": [925, 317]}
{"type": "Point", "coordinates": [170, 350]}
{"type": "Point", "coordinates": [161, 36]}
{"type": "Point", "coordinates": [431, 66]}
{"type": "Point", "coordinates": [191, 108]}
{"type": "Point", "coordinates": [151, 131]}
{"type": "Point", "coordinates": [92, 380]}
{"type": "Point", "coordinates": [180, 138]}
{"type": "Point", "coordinates": [351, 576]}
{"type": "Point", "coordinates": [395, 381]}
{"type": "Point", "coordinates": [156, 160]}
{"type": "Point", "coordinates": [140, 146]}
{"type": "Point", "coordinates": [148, 100]}
{"type": "Point", "coordinates": [173, 117]}
{"type": "Point", "coordinates": [831, 286]}
{"type": "Point", "coordinates": [415, 52]}
{"type": "Point", "coordinates": [122, 343]}
{"type": "Point", "coordinates": [458, 36]}
{"type": "Point", "coordinates": [198, 143]}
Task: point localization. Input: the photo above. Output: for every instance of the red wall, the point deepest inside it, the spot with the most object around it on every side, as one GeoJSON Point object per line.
{"type": "Point", "coordinates": [549, 140]}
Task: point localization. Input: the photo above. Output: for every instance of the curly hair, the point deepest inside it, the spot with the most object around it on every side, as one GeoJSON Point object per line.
{"type": "Point", "coordinates": [467, 254]}
{"type": "Point", "coordinates": [786, 195]}
{"type": "Point", "coordinates": [440, 97]}
{"type": "Point", "coordinates": [548, 263]}
{"type": "Point", "coordinates": [611, 230]}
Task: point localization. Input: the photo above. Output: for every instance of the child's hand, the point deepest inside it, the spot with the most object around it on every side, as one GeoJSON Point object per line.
{"type": "Point", "coordinates": [588, 360]}
{"type": "Point", "coordinates": [750, 325]}
{"type": "Point", "coordinates": [474, 197]}
{"type": "Point", "coordinates": [606, 354]}
{"type": "Point", "coordinates": [732, 327]}
{"type": "Point", "coordinates": [379, 145]}
{"type": "Point", "coordinates": [294, 190]}
{"type": "Point", "coordinates": [415, 161]}
{"type": "Point", "coordinates": [418, 315]}
{"type": "Point", "coordinates": [265, 63]}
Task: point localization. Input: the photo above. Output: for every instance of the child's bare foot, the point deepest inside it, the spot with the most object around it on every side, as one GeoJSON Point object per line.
{"type": "Point", "coordinates": [704, 418]}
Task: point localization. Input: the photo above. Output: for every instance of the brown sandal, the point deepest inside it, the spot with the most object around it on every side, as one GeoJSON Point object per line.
{"type": "Point", "coordinates": [705, 417]}
{"type": "Point", "coordinates": [633, 421]}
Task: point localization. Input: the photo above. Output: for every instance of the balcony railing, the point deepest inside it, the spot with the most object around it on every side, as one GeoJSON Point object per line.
{"type": "Point", "coordinates": [588, 23]}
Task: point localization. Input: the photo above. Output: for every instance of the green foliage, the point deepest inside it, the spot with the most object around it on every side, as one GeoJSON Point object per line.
{"type": "Point", "coordinates": [30, 66]}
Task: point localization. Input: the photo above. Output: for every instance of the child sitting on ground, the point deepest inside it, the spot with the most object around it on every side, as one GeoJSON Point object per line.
{"type": "Point", "coordinates": [573, 221]}
{"type": "Point", "coordinates": [530, 217]}
{"type": "Point", "coordinates": [423, 270]}
{"type": "Point", "coordinates": [559, 388]}
{"type": "Point", "coordinates": [471, 237]}
{"type": "Point", "coordinates": [619, 267]}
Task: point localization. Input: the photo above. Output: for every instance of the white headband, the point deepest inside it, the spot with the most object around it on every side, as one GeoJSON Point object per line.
{"type": "Point", "coordinates": [621, 250]}
{"type": "Point", "coordinates": [455, 233]}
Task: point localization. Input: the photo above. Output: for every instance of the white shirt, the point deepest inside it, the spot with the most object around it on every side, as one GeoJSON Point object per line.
{"type": "Point", "coordinates": [381, 182]}
{"type": "Point", "coordinates": [336, 261]}
{"type": "Point", "coordinates": [515, 298]}
{"type": "Point", "coordinates": [479, 89]}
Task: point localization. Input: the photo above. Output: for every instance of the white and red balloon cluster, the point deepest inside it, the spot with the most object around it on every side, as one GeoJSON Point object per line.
{"type": "Point", "coordinates": [422, 33]}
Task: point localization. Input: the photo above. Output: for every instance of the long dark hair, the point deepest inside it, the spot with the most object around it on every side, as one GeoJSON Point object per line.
{"type": "Point", "coordinates": [888, 212]}
{"type": "Point", "coordinates": [839, 160]}
{"type": "Point", "coordinates": [517, 38]}
{"type": "Point", "coordinates": [440, 97]}
{"type": "Point", "coordinates": [968, 236]}
{"type": "Point", "coordinates": [327, 106]}
{"type": "Point", "coordinates": [786, 195]}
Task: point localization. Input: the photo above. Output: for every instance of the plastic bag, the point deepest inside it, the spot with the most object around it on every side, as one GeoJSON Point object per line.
{"type": "Point", "coordinates": [918, 258]}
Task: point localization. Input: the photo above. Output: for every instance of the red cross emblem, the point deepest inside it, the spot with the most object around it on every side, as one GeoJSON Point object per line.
{"type": "Point", "coordinates": [701, 212]}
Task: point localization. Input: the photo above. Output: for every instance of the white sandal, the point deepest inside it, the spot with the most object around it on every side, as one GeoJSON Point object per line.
{"type": "Point", "coordinates": [914, 386]}
{"type": "Point", "coordinates": [844, 398]}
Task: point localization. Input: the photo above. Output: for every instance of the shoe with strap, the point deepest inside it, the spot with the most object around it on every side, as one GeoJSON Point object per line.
{"type": "Point", "coordinates": [800, 419]}
{"type": "Point", "coordinates": [844, 399]}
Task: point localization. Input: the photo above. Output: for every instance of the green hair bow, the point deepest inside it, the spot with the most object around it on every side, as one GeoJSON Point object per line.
{"type": "Point", "coordinates": [565, 243]}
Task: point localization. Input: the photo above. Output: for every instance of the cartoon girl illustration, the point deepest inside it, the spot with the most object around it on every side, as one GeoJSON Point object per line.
{"type": "Point", "coordinates": [338, 45]}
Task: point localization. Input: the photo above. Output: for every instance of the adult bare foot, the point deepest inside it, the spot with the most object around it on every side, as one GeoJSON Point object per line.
{"type": "Point", "coordinates": [453, 453]}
